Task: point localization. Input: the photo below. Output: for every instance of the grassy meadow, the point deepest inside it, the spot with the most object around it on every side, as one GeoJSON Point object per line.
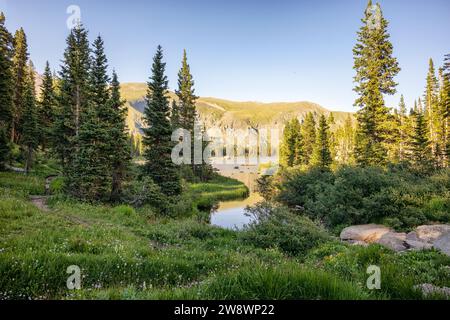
{"type": "Point", "coordinates": [127, 253]}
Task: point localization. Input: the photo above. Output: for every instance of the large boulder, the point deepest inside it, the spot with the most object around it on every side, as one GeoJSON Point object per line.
{"type": "Point", "coordinates": [428, 233]}
{"type": "Point", "coordinates": [443, 243]}
{"type": "Point", "coordinates": [418, 245]}
{"type": "Point", "coordinates": [394, 241]}
{"type": "Point", "coordinates": [367, 232]}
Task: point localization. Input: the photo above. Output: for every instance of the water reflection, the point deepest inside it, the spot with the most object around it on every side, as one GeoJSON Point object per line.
{"type": "Point", "coordinates": [231, 214]}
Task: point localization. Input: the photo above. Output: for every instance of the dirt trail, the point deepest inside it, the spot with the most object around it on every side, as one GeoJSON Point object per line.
{"type": "Point", "coordinates": [40, 202]}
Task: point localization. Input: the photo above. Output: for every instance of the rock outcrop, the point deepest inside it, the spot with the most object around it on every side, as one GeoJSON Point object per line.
{"type": "Point", "coordinates": [366, 232]}
{"type": "Point", "coordinates": [422, 238]}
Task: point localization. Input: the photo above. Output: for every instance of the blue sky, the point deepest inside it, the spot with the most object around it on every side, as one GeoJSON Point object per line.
{"type": "Point", "coordinates": [244, 49]}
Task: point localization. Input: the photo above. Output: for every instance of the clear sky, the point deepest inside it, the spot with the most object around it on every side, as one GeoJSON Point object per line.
{"type": "Point", "coordinates": [244, 49]}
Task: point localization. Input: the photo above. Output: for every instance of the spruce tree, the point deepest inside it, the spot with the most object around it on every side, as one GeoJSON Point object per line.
{"type": "Point", "coordinates": [6, 90]}
{"type": "Point", "coordinates": [73, 97]}
{"type": "Point", "coordinates": [120, 151]}
{"type": "Point", "coordinates": [47, 105]}
{"type": "Point", "coordinates": [30, 132]}
{"type": "Point", "coordinates": [432, 109]}
{"type": "Point", "coordinates": [157, 134]}
{"type": "Point", "coordinates": [345, 141]}
{"type": "Point", "coordinates": [420, 149]}
{"type": "Point", "coordinates": [186, 96]}
{"type": "Point", "coordinates": [402, 129]}
{"type": "Point", "coordinates": [20, 60]}
{"type": "Point", "coordinates": [375, 71]}
{"type": "Point", "coordinates": [321, 154]}
{"type": "Point", "coordinates": [175, 116]}
{"type": "Point", "coordinates": [291, 149]}
{"type": "Point", "coordinates": [446, 108]}
{"type": "Point", "coordinates": [93, 160]}
{"type": "Point", "coordinates": [308, 133]}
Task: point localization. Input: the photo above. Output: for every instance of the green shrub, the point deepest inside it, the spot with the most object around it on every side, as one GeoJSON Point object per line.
{"type": "Point", "coordinates": [278, 227]}
{"type": "Point", "coordinates": [353, 195]}
{"type": "Point", "coordinates": [57, 186]}
{"type": "Point", "coordinates": [124, 210]}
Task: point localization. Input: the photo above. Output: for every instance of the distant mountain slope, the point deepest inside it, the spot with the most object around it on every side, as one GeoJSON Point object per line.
{"type": "Point", "coordinates": [225, 113]}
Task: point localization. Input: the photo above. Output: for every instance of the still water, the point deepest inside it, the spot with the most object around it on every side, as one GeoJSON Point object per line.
{"type": "Point", "coordinates": [232, 214]}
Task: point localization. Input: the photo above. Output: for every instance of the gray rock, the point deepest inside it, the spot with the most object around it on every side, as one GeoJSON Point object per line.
{"type": "Point", "coordinates": [367, 232]}
{"type": "Point", "coordinates": [394, 241]}
{"type": "Point", "coordinates": [443, 244]}
{"type": "Point", "coordinates": [418, 245]}
{"type": "Point", "coordinates": [429, 233]}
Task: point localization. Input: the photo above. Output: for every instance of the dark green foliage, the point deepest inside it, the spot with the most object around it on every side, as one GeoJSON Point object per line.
{"type": "Point", "coordinates": [47, 105]}
{"type": "Point", "coordinates": [91, 176]}
{"type": "Point", "coordinates": [291, 149]}
{"type": "Point", "coordinates": [321, 156]}
{"type": "Point", "coordinates": [120, 151]}
{"type": "Point", "coordinates": [6, 84]}
{"type": "Point", "coordinates": [20, 60]}
{"type": "Point", "coordinates": [30, 132]}
{"type": "Point", "coordinates": [73, 98]}
{"type": "Point", "coordinates": [375, 71]}
{"type": "Point", "coordinates": [157, 136]}
{"type": "Point", "coordinates": [420, 145]}
{"type": "Point", "coordinates": [4, 148]}
{"type": "Point", "coordinates": [363, 195]}
{"type": "Point", "coordinates": [308, 134]}
{"type": "Point", "coordinates": [279, 228]}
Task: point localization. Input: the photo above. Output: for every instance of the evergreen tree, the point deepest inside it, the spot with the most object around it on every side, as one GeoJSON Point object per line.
{"type": "Point", "coordinates": [73, 97]}
{"type": "Point", "coordinates": [120, 151]}
{"type": "Point", "coordinates": [446, 107]}
{"type": "Point", "coordinates": [47, 105]}
{"type": "Point", "coordinates": [420, 150]}
{"type": "Point", "coordinates": [402, 129]}
{"type": "Point", "coordinates": [30, 133]}
{"type": "Point", "coordinates": [308, 133]}
{"type": "Point", "coordinates": [175, 116]}
{"type": "Point", "coordinates": [345, 141]}
{"type": "Point", "coordinates": [20, 61]}
{"type": "Point", "coordinates": [431, 109]}
{"type": "Point", "coordinates": [186, 96]}
{"type": "Point", "coordinates": [93, 174]}
{"type": "Point", "coordinates": [4, 148]}
{"type": "Point", "coordinates": [375, 71]}
{"type": "Point", "coordinates": [291, 149]}
{"type": "Point", "coordinates": [6, 90]}
{"type": "Point", "coordinates": [157, 135]}
{"type": "Point", "coordinates": [321, 154]}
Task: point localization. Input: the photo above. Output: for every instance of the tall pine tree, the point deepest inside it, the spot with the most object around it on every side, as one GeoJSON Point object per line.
{"type": "Point", "coordinates": [375, 71]}
{"type": "Point", "coordinates": [308, 133]}
{"type": "Point", "coordinates": [30, 133]}
{"type": "Point", "coordinates": [291, 149]}
{"type": "Point", "coordinates": [419, 145]}
{"type": "Point", "coordinates": [431, 99]}
{"type": "Point", "coordinates": [47, 105]}
{"type": "Point", "coordinates": [73, 97]}
{"type": "Point", "coordinates": [321, 156]}
{"type": "Point", "coordinates": [20, 61]}
{"type": "Point", "coordinates": [6, 90]}
{"type": "Point", "coordinates": [120, 150]}
{"type": "Point", "coordinates": [93, 169]}
{"type": "Point", "coordinates": [157, 135]}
